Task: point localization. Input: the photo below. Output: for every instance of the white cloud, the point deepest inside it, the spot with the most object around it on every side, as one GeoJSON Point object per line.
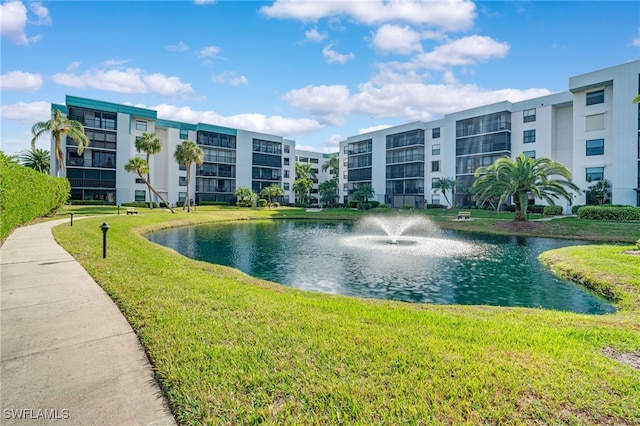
{"type": "Point", "coordinates": [333, 56]}
{"type": "Point", "coordinates": [395, 39]}
{"type": "Point", "coordinates": [209, 52]}
{"type": "Point", "coordinates": [329, 103]}
{"type": "Point", "coordinates": [13, 19]}
{"type": "Point", "coordinates": [276, 125]}
{"type": "Point", "coordinates": [231, 78]}
{"type": "Point", "coordinates": [453, 15]}
{"type": "Point", "coordinates": [179, 47]}
{"type": "Point", "coordinates": [41, 12]}
{"type": "Point", "coordinates": [32, 112]}
{"type": "Point", "coordinates": [636, 41]}
{"type": "Point", "coordinates": [125, 80]}
{"type": "Point", "coordinates": [464, 51]}
{"type": "Point", "coordinates": [313, 35]}
{"type": "Point", "coordinates": [20, 80]}
{"type": "Point", "coordinates": [73, 66]}
{"type": "Point", "coordinates": [200, 2]}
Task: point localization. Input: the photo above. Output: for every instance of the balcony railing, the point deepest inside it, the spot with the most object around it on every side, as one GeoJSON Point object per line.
{"type": "Point", "coordinates": [92, 183]}
{"type": "Point", "coordinates": [79, 162]}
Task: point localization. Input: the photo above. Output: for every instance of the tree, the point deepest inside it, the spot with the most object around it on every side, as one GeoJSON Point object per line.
{"type": "Point", "coordinates": [36, 159]}
{"type": "Point", "coordinates": [364, 193]}
{"type": "Point", "coordinates": [188, 153]}
{"type": "Point", "coordinates": [244, 195]}
{"type": "Point", "coordinates": [444, 185]}
{"type": "Point", "coordinates": [60, 126]}
{"type": "Point", "coordinates": [599, 191]}
{"type": "Point", "coordinates": [302, 187]}
{"type": "Point", "coordinates": [522, 179]}
{"type": "Point", "coordinates": [272, 193]}
{"type": "Point", "coordinates": [140, 167]}
{"type": "Point", "coordinates": [636, 99]}
{"type": "Point", "coordinates": [149, 144]}
{"type": "Point", "coordinates": [328, 191]}
{"type": "Point", "coordinates": [333, 163]}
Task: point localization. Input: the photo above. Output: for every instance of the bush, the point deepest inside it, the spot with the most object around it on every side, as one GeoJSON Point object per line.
{"type": "Point", "coordinates": [574, 209]}
{"type": "Point", "coordinates": [364, 206]}
{"type": "Point", "coordinates": [535, 208]}
{"type": "Point", "coordinates": [214, 203]}
{"type": "Point", "coordinates": [382, 206]}
{"type": "Point", "coordinates": [138, 204]}
{"type": "Point", "coordinates": [374, 203]}
{"type": "Point", "coordinates": [276, 204]}
{"type": "Point", "coordinates": [609, 213]}
{"type": "Point", "coordinates": [353, 204]}
{"type": "Point", "coordinates": [244, 203]}
{"type": "Point", "coordinates": [552, 210]}
{"type": "Point", "coordinates": [434, 206]}
{"type": "Point", "coordinates": [87, 202]}
{"type": "Point", "coordinates": [407, 207]}
{"type": "Point", "coordinates": [262, 202]}
{"type": "Point", "coordinates": [26, 194]}
{"type": "Point", "coordinates": [638, 244]}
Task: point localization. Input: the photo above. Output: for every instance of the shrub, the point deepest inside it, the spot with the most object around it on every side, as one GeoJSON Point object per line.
{"type": "Point", "coordinates": [382, 206]}
{"type": "Point", "coordinates": [138, 204]}
{"type": "Point", "coordinates": [87, 202]}
{"type": "Point", "coordinates": [214, 203]}
{"type": "Point", "coordinates": [364, 206]}
{"type": "Point", "coordinates": [276, 204]}
{"type": "Point", "coordinates": [262, 202]}
{"type": "Point", "coordinates": [552, 210]}
{"type": "Point", "coordinates": [574, 209]}
{"type": "Point", "coordinates": [374, 203]}
{"type": "Point", "coordinates": [244, 203]}
{"type": "Point", "coordinates": [353, 204]}
{"type": "Point", "coordinates": [609, 213]}
{"type": "Point", "coordinates": [26, 194]}
{"type": "Point", "coordinates": [407, 207]}
{"type": "Point", "coordinates": [535, 208]}
{"type": "Point", "coordinates": [638, 244]}
{"type": "Point", "coordinates": [434, 206]}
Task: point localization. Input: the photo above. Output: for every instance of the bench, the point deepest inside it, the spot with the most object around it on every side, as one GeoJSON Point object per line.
{"type": "Point", "coordinates": [464, 215]}
{"type": "Point", "coordinates": [132, 210]}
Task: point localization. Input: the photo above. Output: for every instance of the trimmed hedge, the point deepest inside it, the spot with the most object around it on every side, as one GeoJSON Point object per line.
{"type": "Point", "coordinates": [87, 202]}
{"type": "Point", "coordinates": [214, 203]}
{"type": "Point", "coordinates": [552, 210]}
{"type": "Point", "coordinates": [138, 204]}
{"type": "Point", "coordinates": [262, 202]}
{"type": "Point", "coordinates": [26, 194]}
{"type": "Point", "coordinates": [609, 213]}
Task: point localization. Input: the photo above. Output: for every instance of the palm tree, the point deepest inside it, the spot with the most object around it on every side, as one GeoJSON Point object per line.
{"type": "Point", "coordinates": [149, 144]}
{"type": "Point", "coordinates": [244, 195]}
{"type": "Point", "coordinates": [328, 191]}
{"type": "Point", "coordinates": [444, 185]}
{"type": "Point", "coordinates": [141, 167]}
{"type": "Point", "coordinates": [600, 191]}
{"type": "Point", "coordinates": [36, 159]}
{"type": "Point", "coordinates": [332, 163]}
{"type": "Point", "coordinates": [272, 192]}
{"type": "Point", "coordinates": [302, 187]}
{"type": "Point", "coordinates": [364, 193]}
{"type": "Point", "coordinates": [523, 178]}
{"type": "Point", "coordinates": [188, 153]}
{"type": "Point", "coordinates": [60, 126]}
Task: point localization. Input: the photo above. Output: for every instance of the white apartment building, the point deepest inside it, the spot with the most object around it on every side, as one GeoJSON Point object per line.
{"type": "Point", "coordinates": [593, 129]}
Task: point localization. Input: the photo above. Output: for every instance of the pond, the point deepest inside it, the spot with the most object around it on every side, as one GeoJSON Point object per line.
{"type": "Point", "coordinates": [424, 265]}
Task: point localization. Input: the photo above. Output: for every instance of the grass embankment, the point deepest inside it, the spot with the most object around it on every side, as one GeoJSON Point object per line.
{"type": "Point", "coordinates": [231, 349]}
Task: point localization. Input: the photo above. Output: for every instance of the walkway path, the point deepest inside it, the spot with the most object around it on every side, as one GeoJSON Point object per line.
{"type": "Point", "coordinates": [67, 353]}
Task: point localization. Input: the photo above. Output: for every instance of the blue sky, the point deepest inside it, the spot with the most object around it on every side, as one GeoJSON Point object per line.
{"type": "Point", "coordinates": [314, 71]}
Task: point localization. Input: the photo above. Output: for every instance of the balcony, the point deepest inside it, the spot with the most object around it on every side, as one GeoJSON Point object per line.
{"type": "Point", "coordinates": [92, 183]}
{"type": "Point", "coordinates": [80, 162]}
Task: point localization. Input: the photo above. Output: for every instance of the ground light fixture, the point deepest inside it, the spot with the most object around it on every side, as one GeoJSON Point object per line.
{"type": "Point", "coordinates": [104, 228]}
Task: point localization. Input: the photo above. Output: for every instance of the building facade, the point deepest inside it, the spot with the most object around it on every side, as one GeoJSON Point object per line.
{"type": "Point", "coordinates": [593, 129]}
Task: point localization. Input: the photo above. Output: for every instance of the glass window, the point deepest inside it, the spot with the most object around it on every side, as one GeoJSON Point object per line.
{"type": "Point", "coordinates": [140, 195]}
{"type": "Point", "coordinates": [141, 125]}
{"type": "Point", "coordinates": [435, 133]}
{"type": "Point", "coordinates": [184, 135]}
{"type": "Point", "coordinates": [286, 149]}
{"type": "Point", "coordinates": [530, 154]}
{"type": "Point", "coordinates": [595, 173]}
{"type": "Point", "coordinates": [182, 181]}
{"type": "Point", "coordinates": [182, 196]}
{"type": "Point", "coordinates": [435, 166]}
{"type": "Point", "coordinates": [529, 115]}
{"type": "Point", "coordinates": [529, 136]}
{"type": "Point", "coordinates": [595, 97]}
{"type": "Point", "coordinates": [138, 180]}
{"type": "Point", "coordinates": [286, 161]}
{"type": "Point", "coordinates": [286, 186]}
{"type": "Point", "coordinates": [435, 199]}
{"type": "Point", "coordinates": [595, 147]}
{"type": "Point", "coordinates": [594, 122]}
{"type": "Point", "coordinates": [286, 173]}
{"type": "Point", "coordinates": [304, 160]}
{"type": "Point", "coordinates": [434, 182]}
{"type": "Point", "coordinates": [435, 149]}
{"type": "Point", "coordinates": [314, 160]}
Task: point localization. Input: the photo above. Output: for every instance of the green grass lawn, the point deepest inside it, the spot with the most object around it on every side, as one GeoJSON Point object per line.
{"type": "Point", "coordinates": [232, 349]}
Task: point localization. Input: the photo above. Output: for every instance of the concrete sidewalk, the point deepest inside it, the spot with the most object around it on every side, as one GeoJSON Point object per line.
{"type": "Point", "coordinates": [67, 353]}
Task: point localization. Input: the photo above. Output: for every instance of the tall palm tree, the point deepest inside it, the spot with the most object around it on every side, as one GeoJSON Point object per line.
{"type": "Point", "coordinates": [149, 144]}
{"type": "Point", "coordinates": [523, 178]}
{"type": "Point", "coordinates": [244, 195]}
{"type": "Point", "coordinates": [36, 159]}
{"type": "Point", "coordinates": [272, 192]}
{"type": "Point", "coordinates": [302, 187]}
{"type": "Point", "coordinates": [333, 163]}
{"type": "Point", "coordinates": [60, 126]}
{"type": "Point", "coordinates": [189, 153]}
{"type": "Point", "coordinates": [444, 185]}
{"type": "Point", "coordinates": [141, 168]}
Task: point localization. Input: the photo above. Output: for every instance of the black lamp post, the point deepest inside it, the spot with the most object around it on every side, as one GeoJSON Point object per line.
{"type": "Point", "coordinates": [104, 228]}
{"type": "Point", "coordinates": [118, 209]}
{"type": "Point", "coordinates": [71, 219]}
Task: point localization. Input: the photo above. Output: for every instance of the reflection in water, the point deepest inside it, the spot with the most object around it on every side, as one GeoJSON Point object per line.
{"type": "Point", "coordinates": [425, 266]}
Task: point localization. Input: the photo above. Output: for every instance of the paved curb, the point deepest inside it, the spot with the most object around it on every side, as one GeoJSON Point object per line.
{"type": "Point", "coordinates": [67, 353]}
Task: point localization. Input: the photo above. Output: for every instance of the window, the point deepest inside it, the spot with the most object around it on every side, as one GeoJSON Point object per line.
{"type": "Point", "coordinates": [314, 160]}
{"type": "Point", "coordinates": [529, 115]}
{"type": "Point", "coordinates": [182, 167]}
{"type": "Point", "coordinates": [434, 182]}
{"type": "Point", "coordinates": [595, 147]}
{"type": "Point", "coordinates": [435, 149]}
{"type": "Point", "coordinates": [435, 133]}
{"type": "Point", "coordinates": [286, 149]}
{"type": "Point", "coordinates": [286, 173]}
{"type": "Point", "coordinates": [304, 160]}
{"type": "Point", "coordinates": [182, 180]}
{"type": "Point", "coordinates": [595, 173]}
{"type": "Point", "coordinates": [595, 97]}
{"type": "Point", "coordinates": [182, 196]}
{"type": "Point", "coordinates": [141, 125]}
{"type": "Point", "coordinates": [435, 200]}
{"type": "Point", "coordinates": [184, 134]}
{"type": "Point", "coordinates": [286, 161]}
{"type": "Point", "coordinates": [138, 180]}
{"type": "Point", "coordinates": [530, 154]}
{"type": "Point", "coordinates": [594, 122]}
{"type": "Point", "coordinates": [529, 136]}
{"type": "Point", "coordinates": [286, 186]}
{"type": "Point", "coordinates": [140, 195]}
{"type": "Point", "coordinates": [435, 166]}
